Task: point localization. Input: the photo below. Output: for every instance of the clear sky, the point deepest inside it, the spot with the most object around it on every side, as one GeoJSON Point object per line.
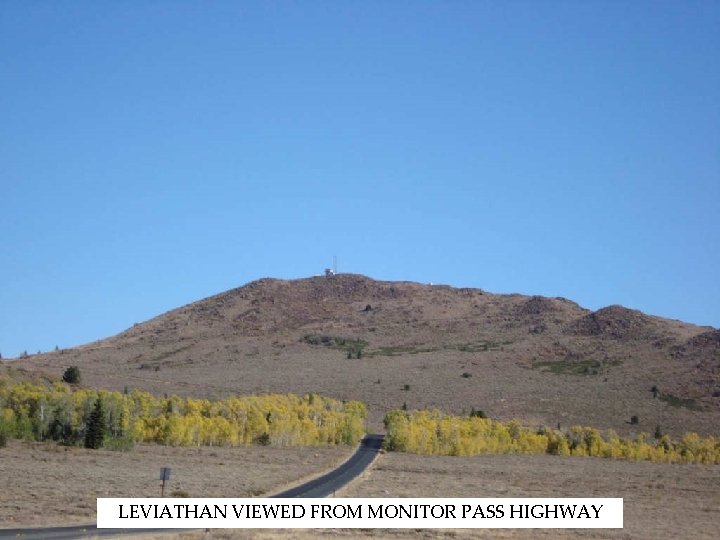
{"type": "Point", "coordinates": [155, 153]}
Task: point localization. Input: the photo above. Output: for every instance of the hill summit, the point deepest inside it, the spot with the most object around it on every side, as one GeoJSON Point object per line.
{"type": "Point", "coordinates": [392, 344]}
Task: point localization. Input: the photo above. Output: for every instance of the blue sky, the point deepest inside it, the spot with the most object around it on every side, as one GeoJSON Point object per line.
{"type": "Point", "coordinates": [154, 153]}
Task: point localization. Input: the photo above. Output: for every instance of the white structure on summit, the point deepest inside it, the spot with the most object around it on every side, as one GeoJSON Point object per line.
{"type": "Point", "coordinates": [332, 271]}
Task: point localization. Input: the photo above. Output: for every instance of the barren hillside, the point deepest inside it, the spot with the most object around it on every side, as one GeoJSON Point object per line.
{"type": "Point", "coordinates": [544, 360]}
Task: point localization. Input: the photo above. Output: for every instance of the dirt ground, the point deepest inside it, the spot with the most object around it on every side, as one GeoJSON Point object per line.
{"type": "Point", "coordinates": [47, 484]}
{"type": "Point", "coordinates": [660, 500]}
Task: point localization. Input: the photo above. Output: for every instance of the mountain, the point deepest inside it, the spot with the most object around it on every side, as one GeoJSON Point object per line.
{"type": "Point", "coordinates": [543, 360]}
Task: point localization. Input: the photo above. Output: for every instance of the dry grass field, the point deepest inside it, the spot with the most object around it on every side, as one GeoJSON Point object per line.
{"type": "Point", "coordinates": [47, 484]}
{"type": "Point", "coordinates": [660, 501]}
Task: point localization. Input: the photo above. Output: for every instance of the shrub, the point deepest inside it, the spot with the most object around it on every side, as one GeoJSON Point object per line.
{"type": "Point", "coordinates": [678, 402]}
{"type": "Point", "coordinates": [61, 429]}
{"type": "Point", "coordinates": [119, 444]}
{"type": "Point", "coordinates": [466, 375]}
{"type": "Point", "coordinates": [7, 419]}
{"type": "Point", "coordinates": [263, 439]}
{"type": "Point", "coordinates": [72, 375]}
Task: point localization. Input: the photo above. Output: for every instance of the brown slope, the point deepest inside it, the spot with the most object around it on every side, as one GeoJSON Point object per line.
{"type": "Point", "coordinates": [701, 355]}
{"type": "Point", "coordinates": [617, 322]}
{"type": "Point", "coordinates": [545, 360]}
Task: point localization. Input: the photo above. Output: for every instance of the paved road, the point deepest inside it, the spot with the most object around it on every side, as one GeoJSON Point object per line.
{"type": "Point", "coordinates": [74, 531]}
{"type": "Point", "coordinates": [319, 487]}
{"type": "Point", "coordinates": [327, 485]}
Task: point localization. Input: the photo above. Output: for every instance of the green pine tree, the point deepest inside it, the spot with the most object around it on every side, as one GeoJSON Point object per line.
{"type": "Point", "coordinates": [96, 428]}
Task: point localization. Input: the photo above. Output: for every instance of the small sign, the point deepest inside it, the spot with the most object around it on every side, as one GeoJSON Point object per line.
{"type": "Point", "coordinates": [165, 473]}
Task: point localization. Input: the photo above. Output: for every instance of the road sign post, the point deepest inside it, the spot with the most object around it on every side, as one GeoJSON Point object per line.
{"type": "Point", "coordinates": [164, 476]}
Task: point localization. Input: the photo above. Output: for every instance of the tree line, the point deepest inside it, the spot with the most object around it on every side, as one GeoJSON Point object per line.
{"type": "Point", "coordinates": [118, 419]}
{"type": "Point", "coordinates": [436, 433]}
